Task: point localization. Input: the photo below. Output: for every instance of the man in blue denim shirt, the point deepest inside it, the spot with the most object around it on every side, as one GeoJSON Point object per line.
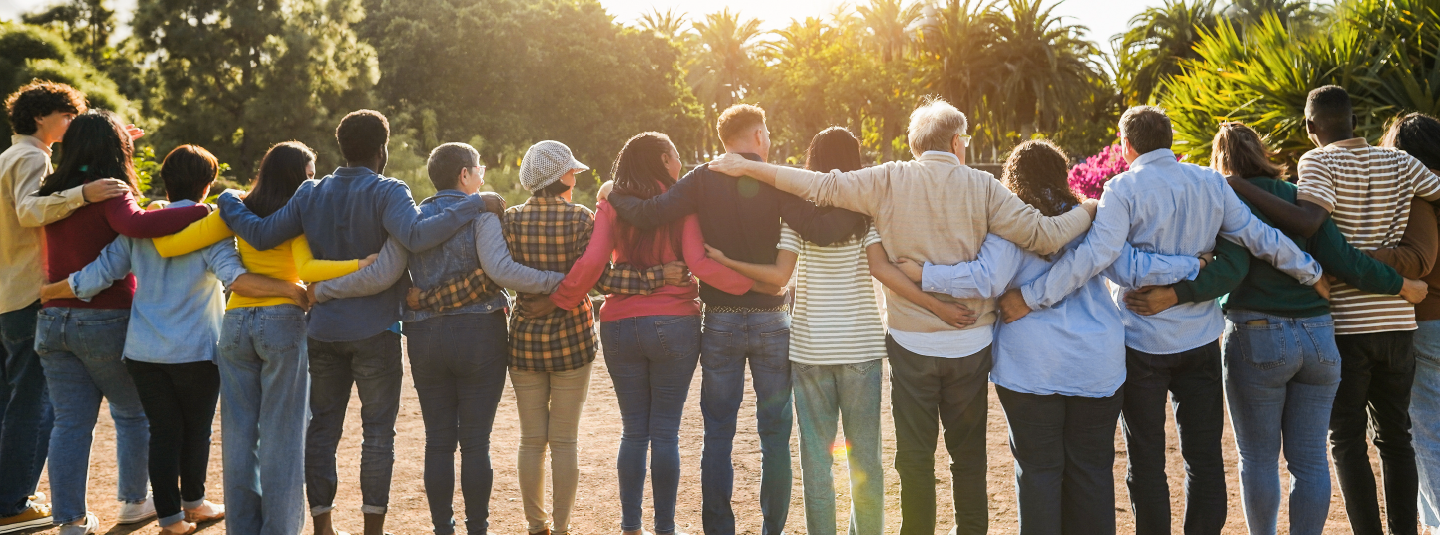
{"type": "Point", "coordinates": [350, 214]}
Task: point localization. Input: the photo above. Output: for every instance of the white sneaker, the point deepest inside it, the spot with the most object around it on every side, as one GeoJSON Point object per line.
{"type": "Point", "coordinates": [91, 525]}
{"type": "Point", "coordinates": [131, 513]}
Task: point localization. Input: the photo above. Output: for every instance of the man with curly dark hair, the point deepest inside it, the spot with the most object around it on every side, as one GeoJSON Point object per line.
{"type": "Point", "coordinates": [39, 114]}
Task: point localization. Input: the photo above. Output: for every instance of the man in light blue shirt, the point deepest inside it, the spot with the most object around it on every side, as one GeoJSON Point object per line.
{"type": "Point", "coordinates": [1167, 207]}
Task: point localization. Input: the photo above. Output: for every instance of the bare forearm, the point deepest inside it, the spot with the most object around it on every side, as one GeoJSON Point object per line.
{"type": "Point", "coordinates": [766, 273]}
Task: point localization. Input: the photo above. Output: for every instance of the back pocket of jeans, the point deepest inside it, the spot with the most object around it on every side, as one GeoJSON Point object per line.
{"type": "Point", "coordinates": [679, 337]}
{"type": "Point", "coordinates": [1263, 346]}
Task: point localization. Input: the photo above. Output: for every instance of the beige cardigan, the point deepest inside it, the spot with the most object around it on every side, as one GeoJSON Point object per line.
{"type": "Point", "coordinates": [935, 209]}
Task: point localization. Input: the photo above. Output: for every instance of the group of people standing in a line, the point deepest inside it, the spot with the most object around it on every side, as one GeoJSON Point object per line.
{"type": "Point", "coordinates": [1110, 309]}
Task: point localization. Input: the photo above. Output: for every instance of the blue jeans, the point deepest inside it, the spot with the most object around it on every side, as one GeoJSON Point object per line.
{"type": "Point", "coordinates": [651, 360]}
{"type": "Point", "coordinates": [1425, 427]}
{"type": "Point", "coordinates": [26, 417]}
{"type": "Point", "coordinates": [822, 394]}
{"type": "Point", "coordinates": [727, 342]}
{"type": "Point", "coordinates": [81, 350]}
{"type": "Point", "coordinates": [458, 363]}
{"type": "Point", "coordinates": [1280, 380]}
{"type": "Point", "coordinates": [264, 385]}
{"type": "Point", "coordinates": [372, 366]}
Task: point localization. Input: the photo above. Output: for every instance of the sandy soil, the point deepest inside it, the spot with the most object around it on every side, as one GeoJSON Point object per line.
{"type": "Point", "coordinates": [598, 507]}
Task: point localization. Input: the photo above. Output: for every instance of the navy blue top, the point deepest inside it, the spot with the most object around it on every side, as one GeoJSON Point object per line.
{"type": "Point", "coordinates": [349, 215]}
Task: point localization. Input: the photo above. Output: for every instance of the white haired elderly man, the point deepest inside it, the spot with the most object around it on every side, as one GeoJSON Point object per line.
{"type": "Point", "coordinates": [933, 209]}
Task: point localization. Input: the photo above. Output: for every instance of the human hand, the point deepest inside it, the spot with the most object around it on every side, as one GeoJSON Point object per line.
{"type": "Point", "coordinates": [1150, 300]}
{"type": "Point", "coordinates": [1092, 206]}
{"type": "Point", "coordinates": [730, 163]}
{"type": "Point", "coordinates": [1012, 306]}
{"type": "Point", "coordinates": [603, 194]}
{"type": "Point", "coordinates": [57, 290]}
{"type": "Point", "coordinates": [103, 189]}
{"type": "Point", "coordinates": [1322, 287]}
{"type": "Point", "coordinates": [367, 261]}
{"type": "Point", "coordinates": [303, 296]}
{"type": "Point", "coordinates": [134, 131]}
{"type": "Point", "coordinates": [768, 288]}
{"type": "Point", "coordinates": [412, 298]}
{"type": "Point", "coordinates": [913, 270]}
{"type": "Point", "coordinates": [494, 203]}
{"type": "Point", "coordinates": [953, 314]}
{"type": "Point", "coordinates": [536, 306]}
{"type": "Point", "coordinates": [715, 254]}
{"type": "Point", "coordinates": [677, 274]}
{"type": "Point", "coordinates": [1206, 259]}
{"type": "Point", "coordinates": [1414, 291]}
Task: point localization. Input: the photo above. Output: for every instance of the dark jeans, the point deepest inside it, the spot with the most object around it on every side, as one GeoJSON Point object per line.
{"type": "Point", "coordinates": [1376, 372]}
{"type": "Point", "coordinates": [26, 416]}
{"type": "Point", "coordinates": [728, 341]}
{"type": "Point", "coordinates": [372, 365]}
{"type": "Point", "coordinates": [926, 391]}
{"type": "Point", "coordinates": [458, 363]}
{"type": "Point", "coordinates": [179, 401]}
{"type": "Point", "coordinates": [651, 360]}
{"type": "Point", "coordinates": [1193, 381]}
{"type": "Point", "coordinates": [1064, 448]}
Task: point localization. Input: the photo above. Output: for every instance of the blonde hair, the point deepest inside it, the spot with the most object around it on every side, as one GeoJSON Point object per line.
{"type": "Point", "coordinates": [1238, 151]}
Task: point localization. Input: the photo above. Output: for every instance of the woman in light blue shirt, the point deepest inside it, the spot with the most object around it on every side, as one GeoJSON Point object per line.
{"type": "Point", "coordinates": [1057, 370]}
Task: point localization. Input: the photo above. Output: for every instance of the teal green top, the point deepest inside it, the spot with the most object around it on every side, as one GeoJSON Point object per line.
{"type": "Point", "coordinates": [1255, 285]}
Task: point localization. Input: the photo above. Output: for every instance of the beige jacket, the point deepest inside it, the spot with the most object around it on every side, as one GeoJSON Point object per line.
{"type": "Point", "coordinates": [935, 209]}
{"type": "Point", "coordinates": [22, 246]}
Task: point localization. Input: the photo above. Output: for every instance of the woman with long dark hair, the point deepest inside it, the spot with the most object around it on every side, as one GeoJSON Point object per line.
{"type": "Point", "coordinates": [837, 342]}
{"type": "Point", "coordinates": [1419, 135]}
{"type": "Point", "coordinates": [1057, 371]}
{"type": "Point", "coordinates": [652, 342]}
{"type": "Point", "coordinates": [81, 343]}
{"type": "Point", "coordinates": [264, 376]}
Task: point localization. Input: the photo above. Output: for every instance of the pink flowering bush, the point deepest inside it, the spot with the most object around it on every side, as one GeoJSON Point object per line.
{"type": "Point", "coordinates": [1089, 177]}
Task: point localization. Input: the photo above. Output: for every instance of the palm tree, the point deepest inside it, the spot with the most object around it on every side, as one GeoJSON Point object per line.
{"type": "Point", "coordinates": [957, 58]}
{"type": "Point", "coordinates": [668, 24]}
{"type": "Point", "coordinates": [1300, 17]}
{"type": "Point", "coordinates": [1158, 40]}
{"type": "Point", "coordinates": [725, 67]}
{"type": "Point", "coordinates": [1047, 68]}
{"type": "Point", "coordinates": [890, 24]}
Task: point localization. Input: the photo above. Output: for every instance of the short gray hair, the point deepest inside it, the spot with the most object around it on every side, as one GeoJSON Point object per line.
{"type": "Point", "coordinates": [934, 124]}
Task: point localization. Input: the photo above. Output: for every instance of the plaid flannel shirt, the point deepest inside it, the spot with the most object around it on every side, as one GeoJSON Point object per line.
{"type": "Point", "coordinates": [546, 233]}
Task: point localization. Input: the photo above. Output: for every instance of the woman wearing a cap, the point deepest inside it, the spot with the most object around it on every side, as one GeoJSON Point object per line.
{"type": "Point", "coordinates": [550, 354]}
{"type": "Point", "coordinates": [652, 341]}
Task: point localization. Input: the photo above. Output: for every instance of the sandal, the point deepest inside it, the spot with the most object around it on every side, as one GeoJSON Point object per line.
{"type": "Point", "coordinates": [206, 512]}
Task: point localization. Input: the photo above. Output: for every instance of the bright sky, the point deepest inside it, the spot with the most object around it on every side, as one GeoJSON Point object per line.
{"type": "Point", "coordinates": [1104, 17]}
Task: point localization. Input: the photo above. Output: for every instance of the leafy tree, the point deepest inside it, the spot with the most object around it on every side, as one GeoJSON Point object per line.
{"type": "Point", "coordinates": [957, 61]}
{"type": "Point", "coordinates": [726, 67]}
{"type": "Point", "coordinates": [480, 72]}
{"type": "Point", "coordinates": [892, 28]}
{"type": "Point", "coordinates": [239, 75]}
{"type": "Point", "coordinates": [30, 52]}
{"type": "Point", "coordinates": [1386, 53]}
{"type": "Point", "coordinates": [1158, 40]}
{"type": "Point", "coordinates": [668, 25]}
{"type": "Point", "coordinates": [1048, 68]}
{"type": "Point", "coordinates": [86, 24]}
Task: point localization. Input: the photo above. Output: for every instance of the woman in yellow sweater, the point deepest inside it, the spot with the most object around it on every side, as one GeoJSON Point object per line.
{"type": "Point", "coordinates": [263, 364]}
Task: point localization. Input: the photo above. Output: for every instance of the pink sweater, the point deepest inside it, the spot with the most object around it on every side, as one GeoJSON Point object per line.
{"type": "Point", "coordinates": [668, 300]}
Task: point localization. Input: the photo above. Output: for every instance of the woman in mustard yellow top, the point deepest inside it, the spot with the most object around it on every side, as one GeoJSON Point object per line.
{"type": "Point", "coordinates": [263, 364]}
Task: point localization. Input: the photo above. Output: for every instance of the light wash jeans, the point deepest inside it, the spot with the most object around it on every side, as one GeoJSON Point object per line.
{"type": "Point", "coordinates": [822, 394]}
{"type": "Point", "coordinates": [1280, 380]}
{"type": "Point", "coordinates": [651, 360]}
{"type": "Point", "coordinates": [81, 350]}
{"type": "Point", "coordinates": [727, 342]}
{"type": "Point", "coordinates": [265, 388]}
{"type": "Point", "coordinates": [1425, 426]}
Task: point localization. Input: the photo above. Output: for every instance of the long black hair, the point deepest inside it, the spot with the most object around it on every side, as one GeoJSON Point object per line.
{"type": "Point", "coordinates": [95, 146]}
{"type": "Point", "coordinates": [835, 148]}
{"type": "Point", "coordinates": [1417, 134]}
{"type": "Point", "coordinates": [281, 172]}
{"type": "Point", "coordinates": [640, 172]}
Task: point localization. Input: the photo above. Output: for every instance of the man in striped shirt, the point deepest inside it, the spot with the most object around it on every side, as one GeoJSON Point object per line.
{"type": "Point", "coordinates": [1368, 191]}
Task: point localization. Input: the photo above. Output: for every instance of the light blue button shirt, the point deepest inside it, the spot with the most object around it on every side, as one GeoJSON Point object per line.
{"type": "Point", "coordinates": [178, 306]}
{"type": "Point", "coordinates": [1077, 346]}
{"type": "Point", "coordinates": [1167, 207]}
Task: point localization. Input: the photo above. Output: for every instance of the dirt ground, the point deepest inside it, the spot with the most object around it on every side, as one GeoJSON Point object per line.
{"type": "Point", "coordinates": [598, 507]}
